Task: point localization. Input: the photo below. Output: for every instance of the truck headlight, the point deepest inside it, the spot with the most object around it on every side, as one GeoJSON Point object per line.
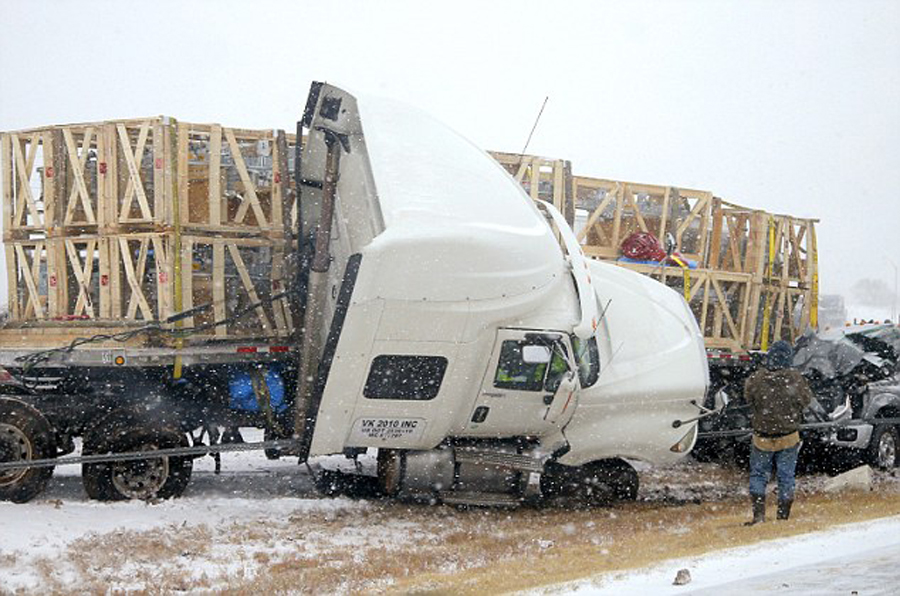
{"type": "Point", "coordinates": [686, 443]}
{"type": "Point", "coordinates": [840, 410]}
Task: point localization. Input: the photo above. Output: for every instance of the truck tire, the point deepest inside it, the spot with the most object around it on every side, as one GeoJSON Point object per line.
{"type": "Point", "coordinates": [623, 477]}
{"type": "Point", "coordinates": [884, 447]}
{"type": "Point", "coordinates": [152, 478]}
{"type": "Point", "coordinates": [25, 434]}
{"type": "Point", "coordinates": [600, 482]}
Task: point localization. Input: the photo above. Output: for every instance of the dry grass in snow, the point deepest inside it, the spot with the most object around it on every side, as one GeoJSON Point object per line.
{"type": "Point", "coordinates": [385, 547]}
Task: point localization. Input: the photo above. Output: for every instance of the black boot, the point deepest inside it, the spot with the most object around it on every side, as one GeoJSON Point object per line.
{"type": "Point", "coordinates": [759, 510]}
{"type": "Point", "coordinates": [784, 508]}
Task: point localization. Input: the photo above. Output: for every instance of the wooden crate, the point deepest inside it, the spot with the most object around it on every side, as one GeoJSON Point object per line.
{"type": "Point", "coordinates": [129, 278]}
{"type": "Point", "coordinates": [546, 179]}
{"type": "Point", "coordinates": [27, 262]}
{"type": "Point", "coordinates": [237, 181]}
{"type": "Point", "coordinates": [97, 216]}
{"type": "Point", "coordinates": [145, 174]}
{"type": "Point", "coordinates": [617, 209]}
{"type": "Point", "coordinates": [719, 300]}
{"type": "Point", "coordinates": [749, 262]}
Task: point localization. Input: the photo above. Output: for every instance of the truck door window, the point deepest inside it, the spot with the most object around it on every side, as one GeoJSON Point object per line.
{"type": "Point", "coordinates": [558, 368]}
{"type": "Point", "coordinates": [587, 356]}
{"type": "Point", "coordinates": [514, 373]}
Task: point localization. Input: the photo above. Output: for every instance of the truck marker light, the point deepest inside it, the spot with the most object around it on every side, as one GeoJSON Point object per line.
{"type": "Point", "coordinates": [568, 400]}
{"type": "Point", "coordinates": [246, 350]}
{"type": "Point", "coordinates": [686, 442]}
{"type": "Point", "coordinates": [120, 360]}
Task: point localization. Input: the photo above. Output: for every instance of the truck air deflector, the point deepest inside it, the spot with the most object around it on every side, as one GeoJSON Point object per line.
{"type": "Point", "coordinates": [587, 298]}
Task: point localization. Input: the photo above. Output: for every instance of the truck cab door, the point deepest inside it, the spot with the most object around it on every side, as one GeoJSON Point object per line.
{"type": "Point", "coordinates": [530, 387]}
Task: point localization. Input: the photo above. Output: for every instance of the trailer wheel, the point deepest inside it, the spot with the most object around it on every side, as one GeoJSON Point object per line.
{"type": "Point", "coordinates": [596, 483]}
{"type": "Point", "coordinates": [884, 447]}
{"type": "Point", "coordinates": [163, 477]}
{"type": "Point", "coordinates": [25, 434]}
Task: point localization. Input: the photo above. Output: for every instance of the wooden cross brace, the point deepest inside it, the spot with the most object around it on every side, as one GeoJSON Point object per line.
{"type": "Point", "coordinates": [79, 189]}
{"type": "Point", "coordinates": [135, 187]}
{"type": "Point", "coordinates": [24, 167]}
{"type": "Point", "coordinates": [31, 274]}
{"type": "Point", "coordinates": [134, 274]}
{"type": "Point", "coordinates": [83, 273]}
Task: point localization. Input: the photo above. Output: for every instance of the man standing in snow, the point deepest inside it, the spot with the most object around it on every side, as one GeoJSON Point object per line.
{"type": "Point", "coordinates": [777, 395]}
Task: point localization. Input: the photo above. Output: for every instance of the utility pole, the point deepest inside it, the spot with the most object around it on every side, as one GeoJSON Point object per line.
{"type": "Point", "coordinates": [894, 301]}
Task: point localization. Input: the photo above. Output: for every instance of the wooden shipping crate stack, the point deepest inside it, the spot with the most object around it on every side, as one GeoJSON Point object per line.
{"type": "Point", "coordinates": [109, 226]}
{"type": "Point", "coordinates": [756, 271]}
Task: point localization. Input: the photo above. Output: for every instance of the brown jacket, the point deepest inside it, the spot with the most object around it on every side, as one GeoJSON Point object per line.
{"type": "Point", "coordinates": [777, 400]}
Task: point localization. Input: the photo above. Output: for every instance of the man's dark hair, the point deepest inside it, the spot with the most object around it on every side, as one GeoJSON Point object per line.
{"type": "Point", "coordinates": [780, 355]}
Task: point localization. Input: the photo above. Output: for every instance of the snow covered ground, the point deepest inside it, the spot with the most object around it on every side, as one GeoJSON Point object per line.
{"type": "Point", "coordinates": [250, 488]}
{"type": "Point", "coordinates": [862, 558]}
{"type": "Point", "coordinates": [261, 518]}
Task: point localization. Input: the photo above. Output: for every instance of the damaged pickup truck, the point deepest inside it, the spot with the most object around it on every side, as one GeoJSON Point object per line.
{"type": "Point", "coordinates": [855, 376]}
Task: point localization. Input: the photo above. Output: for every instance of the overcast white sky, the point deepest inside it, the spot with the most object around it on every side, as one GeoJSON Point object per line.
{"type": "Point", "coordinates": [789, 106]}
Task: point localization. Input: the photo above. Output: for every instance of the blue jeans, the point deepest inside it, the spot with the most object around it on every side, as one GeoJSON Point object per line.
{"type": "Point", "coordinates": [785, 462]}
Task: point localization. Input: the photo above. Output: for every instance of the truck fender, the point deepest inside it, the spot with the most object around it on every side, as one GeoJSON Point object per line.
{"type": "Point", "coordinates": [879, 402]}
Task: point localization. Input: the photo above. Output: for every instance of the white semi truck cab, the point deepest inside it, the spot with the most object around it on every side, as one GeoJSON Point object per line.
{"type": "Point", "coordinates": [455, 325]}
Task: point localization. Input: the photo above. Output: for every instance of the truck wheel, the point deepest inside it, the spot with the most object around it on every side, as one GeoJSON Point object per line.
{"type": "Point", "coordinates": [596, 483]}
{"type": "Point", "coordinates": [152, 478]}
{"type": "Point", "coordinates": [25, 434]}
{"type": "Point", "coordinates": [884, 447]}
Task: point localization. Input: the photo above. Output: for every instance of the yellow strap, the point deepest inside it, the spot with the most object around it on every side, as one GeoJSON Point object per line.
{"type": "Point", "coordinates": [814, 300]}
{"type": "Point", "coordinates": [176, 244]}
{"type": "Point", "coordinates": [685, 274]}
{"type": "Point", "coordinates": [767, 312]}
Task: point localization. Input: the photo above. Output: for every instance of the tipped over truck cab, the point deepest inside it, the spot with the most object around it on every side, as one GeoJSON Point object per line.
{"type": "Point", "coordinates": [455, 325]}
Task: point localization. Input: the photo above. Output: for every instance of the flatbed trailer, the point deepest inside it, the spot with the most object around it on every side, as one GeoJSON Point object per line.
{"type": "Point", "coordinates": [121, 401]}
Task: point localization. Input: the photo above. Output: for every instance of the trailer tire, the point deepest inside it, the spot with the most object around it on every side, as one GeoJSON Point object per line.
{"type": "Point", "coordinates": [25, 434]}
{"type": "Point", "coordinates": [152, 478]}
{"type": "Point", "coordinates": [884, 447]}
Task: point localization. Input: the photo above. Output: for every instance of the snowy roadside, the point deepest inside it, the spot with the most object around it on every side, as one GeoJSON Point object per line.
{"type": "Point", "coordinates": [250, 489]}
{"type": "Point", "coordinates": [864, 557]}
{"type": "Point", "coordinates": [261, 525]}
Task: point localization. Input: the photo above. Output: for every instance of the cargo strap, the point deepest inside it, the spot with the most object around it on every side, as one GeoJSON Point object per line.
{"type": "Point", "coordinates": [264, 398]}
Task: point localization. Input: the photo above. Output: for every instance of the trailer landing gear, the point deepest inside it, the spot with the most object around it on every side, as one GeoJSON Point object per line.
{"type": "Point", "coordinates": [162, 477]}
{"type": "Point", "coordinates": [24, 435]}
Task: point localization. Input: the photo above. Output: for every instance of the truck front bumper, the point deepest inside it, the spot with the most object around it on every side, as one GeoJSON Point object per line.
{"type": "Point", "coordinates": [856, 436]}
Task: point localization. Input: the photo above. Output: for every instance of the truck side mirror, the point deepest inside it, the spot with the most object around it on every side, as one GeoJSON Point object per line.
{"type": "Point", "coordinates": [536, 354]}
